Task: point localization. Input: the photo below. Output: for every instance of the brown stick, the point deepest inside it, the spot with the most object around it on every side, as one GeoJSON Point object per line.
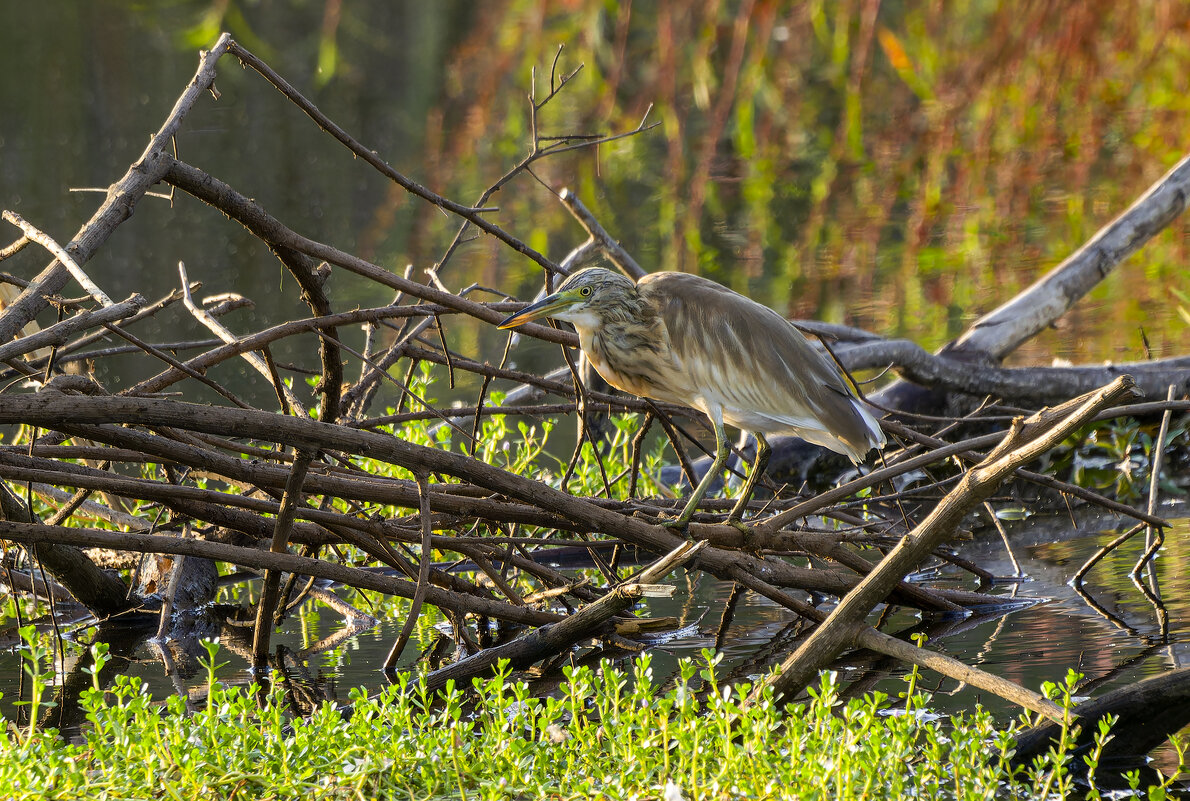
{"type": "Point", "coordinates": [619, 256]}
{"type": "Point", "coordinates": [257, 362]}
{"type": "Point", "coordinates": [272, 578]}
{"type": "Point", "coordinates": [471, 215]}
{"type": "Point", "coordinates": [58, 333]}
{"type": "Point", "coordinates": [249, 214]}
{"type": "Point", "coordinates": [250, 557]}
{"type": "Point", "coordinates": [1022, 444]}
{"type": "Point", "coordinates": [423, 576]}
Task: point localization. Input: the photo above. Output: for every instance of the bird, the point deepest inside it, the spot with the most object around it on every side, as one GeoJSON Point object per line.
{"type": "Point", "coordinates": [681, 338]}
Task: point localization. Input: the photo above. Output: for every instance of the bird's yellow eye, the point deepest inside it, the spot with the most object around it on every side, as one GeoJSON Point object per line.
{"type": "Point", "coordinates": [585, 291]}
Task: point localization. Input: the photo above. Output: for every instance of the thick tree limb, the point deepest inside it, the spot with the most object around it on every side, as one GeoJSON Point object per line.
{"type": "Point", "coordinates": [1023, 386]}
{"type": "Point", "coordinates": [1001, 331]}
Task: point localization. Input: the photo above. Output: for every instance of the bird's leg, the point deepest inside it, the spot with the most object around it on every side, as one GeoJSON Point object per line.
{"type": "Point", "coordinates": [721, 452]}
{"type": "Point", "coordinates": [761, 462]}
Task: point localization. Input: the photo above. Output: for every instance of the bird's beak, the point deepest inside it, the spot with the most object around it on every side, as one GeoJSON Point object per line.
{"type": "Point", "coordinates": [542, 308]}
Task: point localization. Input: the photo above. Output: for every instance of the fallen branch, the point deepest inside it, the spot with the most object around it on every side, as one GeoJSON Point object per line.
{"type": "Point", "coordinates": [1023, 443]}
{"type": "Point", "coordinates": [950, 372]}
{"type": "Point", "coordinates": [1001, 331]}
{"type": "Point", "coordinates": [59, 333]}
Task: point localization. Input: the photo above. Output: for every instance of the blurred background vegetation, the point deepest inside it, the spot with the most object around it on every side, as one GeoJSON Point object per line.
{"type": "Point", "coordinates": [900, 166]}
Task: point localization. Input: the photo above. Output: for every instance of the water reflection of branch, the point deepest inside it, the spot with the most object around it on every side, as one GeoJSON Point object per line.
{"type": "Point", "coordinates": [994, 637]}
{"type": "Point", "coordinates": [1090, 601]}
{"type": "Point", "coordinates": [333, 640]}
{"type": "Point", "coordinates": [1123, 668]}
{"type": "Point", "coordinates": [728, 615]}
{"type": "Point", "coordinates": [1158, 607]}
{"type": "Point", "coordinates": [762, 658]}
{"type": "Point", "coordinates": [1016, 566]}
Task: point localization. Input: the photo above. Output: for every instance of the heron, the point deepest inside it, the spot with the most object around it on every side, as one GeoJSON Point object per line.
{"type": "Point", "coordinates": [681, 338]}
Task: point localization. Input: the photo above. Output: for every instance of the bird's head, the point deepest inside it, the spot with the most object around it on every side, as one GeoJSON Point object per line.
{"type": "Point", "coordinates": [586, 299]}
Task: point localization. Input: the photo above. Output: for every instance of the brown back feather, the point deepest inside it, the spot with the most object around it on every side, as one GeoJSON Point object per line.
{"type": "Point", "coordinates": [755, 358]}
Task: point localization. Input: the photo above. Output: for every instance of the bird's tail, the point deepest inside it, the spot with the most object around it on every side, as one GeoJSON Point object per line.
{"type": "Point", "coordinates": [875, 432]}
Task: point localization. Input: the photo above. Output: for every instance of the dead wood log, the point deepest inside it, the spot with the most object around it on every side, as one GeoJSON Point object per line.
{"type": "Point", "coordinates": [1026, 441]}
{"type": "Point", "coordinates": [217, 508]}
{"type": "Point", "coordinates": [969, 364]}
{"type": "Point", "coordinates": [1021, 386]}
{"type": "Point", "coordinates": [1148, 713]}
{"type": "Point", "coordinates": [1001, 331]}
{"type": "Point", "coordinates": [995, 335]}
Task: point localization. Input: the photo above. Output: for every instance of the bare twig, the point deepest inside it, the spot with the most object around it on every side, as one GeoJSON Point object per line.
{"type": "Point", "coordinates": [260, 364]}
{"type": "Point", "coordinates": [272, 577]}
{"type": "Point", "coordinates": [423, 575]}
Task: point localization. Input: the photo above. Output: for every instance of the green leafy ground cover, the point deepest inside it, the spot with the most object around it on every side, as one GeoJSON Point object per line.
{"type": "Point", "coordinates": [603, 734]}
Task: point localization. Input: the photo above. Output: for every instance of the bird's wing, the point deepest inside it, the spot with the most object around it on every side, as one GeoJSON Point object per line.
{"type": "Point", "coordinates": [752, 362]}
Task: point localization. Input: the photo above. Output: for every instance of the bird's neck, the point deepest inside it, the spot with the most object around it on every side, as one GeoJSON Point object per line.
{"type": "Point", "coordinates": [622, 343]}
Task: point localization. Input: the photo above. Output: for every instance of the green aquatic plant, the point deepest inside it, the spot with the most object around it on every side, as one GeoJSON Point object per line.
{"type": "Point", "coordinates": [604, 732]}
